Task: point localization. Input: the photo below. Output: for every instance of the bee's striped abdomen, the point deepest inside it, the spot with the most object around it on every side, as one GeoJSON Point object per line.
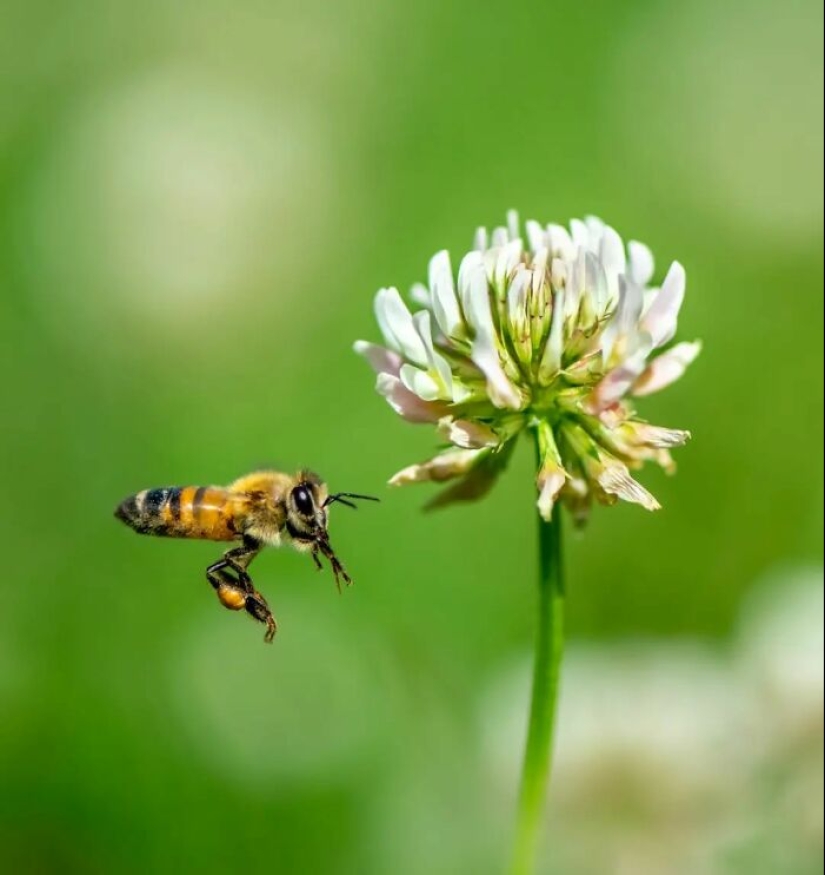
{"type": "Point", "coordinates": [204, 512]}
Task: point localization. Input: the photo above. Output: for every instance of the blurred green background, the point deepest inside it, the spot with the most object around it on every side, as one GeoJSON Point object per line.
{"type": "Point", "coordinates": [198, 202]}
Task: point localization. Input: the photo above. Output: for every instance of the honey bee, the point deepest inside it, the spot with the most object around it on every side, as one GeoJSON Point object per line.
{"type": "Point", "coordinates": [266, 508]}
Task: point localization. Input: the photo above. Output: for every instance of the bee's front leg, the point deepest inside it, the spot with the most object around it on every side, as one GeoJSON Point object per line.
{"type": "Point", "coordinates": [338, 570]}
{"type": "Point", "coordinates": [317, 559]}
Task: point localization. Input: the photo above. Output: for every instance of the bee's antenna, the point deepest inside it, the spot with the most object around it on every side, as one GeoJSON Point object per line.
{"type": "Point", "coordinates": [342, 497]}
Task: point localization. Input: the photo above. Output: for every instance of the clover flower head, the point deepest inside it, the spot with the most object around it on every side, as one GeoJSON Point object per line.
{"type": "Point", "coordinates": [558, 336]}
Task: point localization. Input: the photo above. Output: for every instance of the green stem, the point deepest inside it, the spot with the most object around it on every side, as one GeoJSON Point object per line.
{"type": "Point", "coordinates": [549, 647]}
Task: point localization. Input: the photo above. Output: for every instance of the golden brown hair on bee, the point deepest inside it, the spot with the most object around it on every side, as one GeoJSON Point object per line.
{"type": "Point", "coordinates": [258, 509]}
{"type": "Point", "coordinates": [204, 512]}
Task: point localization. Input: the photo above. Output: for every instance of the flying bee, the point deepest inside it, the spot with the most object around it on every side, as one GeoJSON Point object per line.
{"type": "Point", "coordinates": [266, 508]}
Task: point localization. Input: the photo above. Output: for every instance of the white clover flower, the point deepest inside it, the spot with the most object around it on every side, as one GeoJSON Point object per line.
{"type": "Point", "coordinates": [556, 337]}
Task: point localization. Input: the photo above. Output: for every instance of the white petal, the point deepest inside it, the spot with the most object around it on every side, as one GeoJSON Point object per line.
{"type": "Point", "coordinates": [551, 359]}
{"type": "Point", "coordinates": [595, 297]}
{"type": "Point", "coordinates": [436, 361]}
{"type": "Point", "coordinates": [444, 300]}
{"type": "Point", "coordinates": [480, 240]}
{"type": "Point", "coordinates": [660, 320]}
{"type": "Point", "coordinates": [641, 262]}
{"type": "Point", "coordinates": [561, 243]}
{"type": "Point", "coordinates": [397, 326]}
{"type": "Point", "coordinates": [512, 224]}
{"type": "Point", "coordinates": [406, 403]}
{"type": "Point", "coordinates": [535, 235]}
{"type": "Point", "coordinates": [467, 433]}
{"type": "Point", "coordinates": [649, 297]}
{"type": "Point", "coordinates": [580, 234]}
{"type": "Point", "coordinates": [540, 259]}
{"type": "Point", "coordinates": [451, 464]}
{"type": "Point", "coordinates": [612, 257]}
{"type": "Point", "coordinates": [656, 436]}
{"type": "Point", "coordinates": [383, 324]}
{"type": "Point", "coordinates": [517, 298]}
{"type": "Point", "coordinates": [484, 350]}
{"type": "Point", "coordinates": [615, 479]}
{"type": "Point", "coordinates": [596, 228]}
{"type": "Point", "coordinates": [666, 368]}
{"type": "Point", "coordinates": [420, 382]}
{"type": "Point", "coordinates": [624, 321]}
{"type": "Point", "coordinates": [472, 262]}
{"type": "Point", "coordinates": [501, 391]}
{"type": "Point", "coordinates": [574, 285]}
{"type": "Point", "coordinates": [500, 238]}
{"type": "Point", "coordinates": [382, 361]}
{"type": "Point", "coordinates": [420, 295]}
{"type": "Point", "coordinates": [508, 258]}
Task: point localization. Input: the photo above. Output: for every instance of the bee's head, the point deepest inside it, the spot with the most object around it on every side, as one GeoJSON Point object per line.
{"type": "Point", "coordinates": [306, 506]}
{"type": "Point", "coordinates": [306, 516]}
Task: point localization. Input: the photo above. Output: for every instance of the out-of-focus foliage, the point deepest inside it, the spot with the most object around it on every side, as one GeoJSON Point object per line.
{"type": "Point", "coordinates": [198, 201]}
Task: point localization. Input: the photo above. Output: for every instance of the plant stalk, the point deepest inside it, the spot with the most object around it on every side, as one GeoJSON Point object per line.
{"type": "Point", "coordinates": [546, 667]}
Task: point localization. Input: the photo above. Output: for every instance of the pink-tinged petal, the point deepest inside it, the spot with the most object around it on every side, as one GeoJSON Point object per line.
{"type": "Point", "coordinates": [641, 262]}
{"type": "Point", "coordinates": [453, 463]}
{"type": "Point", "coordinates": [406, 403]}
{"type": "Point", "coordinates": [397, 326]}
{"type": "Point", "coordinates": [616, 384]}
{"type": "Point", "coordinates": [551, 476]}
{"type": "Point", "coordinates": [662, 316]}
{"type": "Point", "coordinates": [550, 482]}
{"type": "Point", "coordinates": [665, 461]}
{"type": "Point", "coordinates": [444, 299]}
{"type": "Point", "coordinates": [615, 479]}
{"type": "Point", "coordinates": [382, 361]}
{"type": "Point", "coordinates": [479, 479]}
{"type": "Point", "coordinates": [468, 434]}
{"type": "Point", "coordinates": [666, 368]}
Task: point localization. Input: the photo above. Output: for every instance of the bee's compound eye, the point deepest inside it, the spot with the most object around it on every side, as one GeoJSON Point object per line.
{"type": "Point", "coordinates": [303, 501]}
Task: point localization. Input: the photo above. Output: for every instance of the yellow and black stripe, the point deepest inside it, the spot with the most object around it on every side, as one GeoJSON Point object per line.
{"type": "Point", "coordinates": [204, 512]}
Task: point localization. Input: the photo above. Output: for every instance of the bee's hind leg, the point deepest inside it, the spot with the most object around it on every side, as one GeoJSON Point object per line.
{"type": "Point", "coordinates": [236, 591]}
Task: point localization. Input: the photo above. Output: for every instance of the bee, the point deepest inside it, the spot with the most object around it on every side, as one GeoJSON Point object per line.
{"type": "Point", "coordinates": [265, 508]}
